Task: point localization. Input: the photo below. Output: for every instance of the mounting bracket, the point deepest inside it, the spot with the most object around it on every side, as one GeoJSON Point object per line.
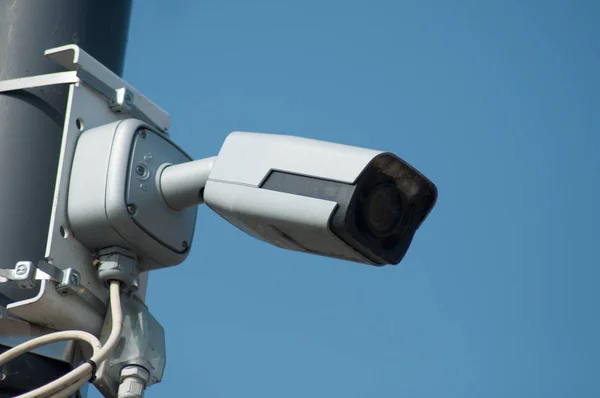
{"type": "Point", "coordinates": [96, 97]}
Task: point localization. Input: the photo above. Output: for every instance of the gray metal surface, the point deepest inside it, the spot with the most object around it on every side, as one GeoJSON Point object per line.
{"type": "Point", "coordinates": [90, 105]}
{"type": "Point", "coordinates": [63, 250]}
{"type": "Point", "coordinates": [174, 229]}
{"type": "Point", "coordinates": [122, 97]}
{"type": "Point", "coordinates": [26, 274]}
{"type": "Point", "coordinates": [38, 81]}
{"type": "Point", "coordinates": [31, 128]}
{"type": "Point", "coordinates": [110, 204]}
{"type": "Point", "coordinates": [87, 108]}
{"type": "Point", "coordinates": [142, 344]}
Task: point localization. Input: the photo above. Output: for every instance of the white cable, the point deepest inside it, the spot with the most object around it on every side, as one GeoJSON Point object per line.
{"type": "Point", "coordinates": [49, 339]}
{"type": "Point", "coordinates": [72, 389]}
{"type": "Point", "coordinates": [80, 375]}
{"type": "Point", "coordinates": [84, 371]}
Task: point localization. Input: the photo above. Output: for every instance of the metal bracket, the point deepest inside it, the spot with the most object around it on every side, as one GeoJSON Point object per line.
{"type": "Point", "coordinates": [121, 96]}
{"type": "Point", "coordinates": [96, 97]}
{"type": "Point", "coordinates": [51, 79]}
{"type": "Point", "coordinates": [82, 67]}
{"type": "Point", "coordinates": [25, 274]}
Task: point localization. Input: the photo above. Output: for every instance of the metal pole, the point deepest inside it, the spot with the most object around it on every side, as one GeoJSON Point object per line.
{"type": "Point", "coordinates": [31, 126]}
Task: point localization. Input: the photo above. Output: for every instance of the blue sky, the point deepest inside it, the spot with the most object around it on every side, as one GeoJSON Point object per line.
{"type": "Point", "coordinates": [496, 101]}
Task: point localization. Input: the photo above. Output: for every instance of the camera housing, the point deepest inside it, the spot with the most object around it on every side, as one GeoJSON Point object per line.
{"type": "Point", "coordinates": [318, 197]}
{"type": "Point", "coordinates": [133, 188]}
{"type": "Point", "coordinates": [114, 196]}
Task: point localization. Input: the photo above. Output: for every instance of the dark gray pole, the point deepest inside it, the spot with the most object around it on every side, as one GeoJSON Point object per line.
{"type": "Point", "coordinates": [31, 121]}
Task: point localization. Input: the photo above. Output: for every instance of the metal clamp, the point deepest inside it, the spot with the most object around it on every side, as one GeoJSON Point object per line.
{"type": "Point", "coordinates": [83, 68]}
{"type": "Point", "coordinates": [26, 274]}
{"type": "Point", "coordinates": [122, 98]}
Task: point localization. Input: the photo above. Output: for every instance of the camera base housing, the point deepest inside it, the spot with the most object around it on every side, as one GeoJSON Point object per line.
{"type": "Point", "coordinates": [115, 198]}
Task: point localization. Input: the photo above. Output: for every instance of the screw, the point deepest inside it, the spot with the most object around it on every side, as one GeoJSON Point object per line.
{"type": "Point", "coordinates": [143, 133]}
{"type": "Point", "coordinates": [184, 244]}
{"type": "Point", "coordinates": [131, 209]}
{"type": "Point", "coordinates": [74, 279]}
{"type": "Point", "coordinates": [21, 269]}
{"type": "Point", "coordinates": [140, 170]}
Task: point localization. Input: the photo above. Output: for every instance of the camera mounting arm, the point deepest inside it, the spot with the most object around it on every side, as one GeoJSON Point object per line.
{"type": "Point", "coordinates": [183, 185]}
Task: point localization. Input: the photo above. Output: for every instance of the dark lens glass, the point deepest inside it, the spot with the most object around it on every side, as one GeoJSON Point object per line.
{"type": "Point", "coordinates": [383, 210]}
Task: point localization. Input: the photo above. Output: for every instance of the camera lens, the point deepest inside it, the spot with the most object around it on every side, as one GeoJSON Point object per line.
{"type": "Point", "coordinates": [383, 210]}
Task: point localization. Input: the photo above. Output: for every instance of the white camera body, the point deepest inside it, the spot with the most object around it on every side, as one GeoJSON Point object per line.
{"type": "Point", "coordinates": [309, 196]}
{"type": "Point", "coordinates": [133, 188]}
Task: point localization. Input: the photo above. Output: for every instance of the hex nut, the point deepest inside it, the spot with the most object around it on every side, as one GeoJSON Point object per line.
{"type": "Point", "coordinates": [119, 266]}
{"type": "Point", "coordinates": [135, 371]}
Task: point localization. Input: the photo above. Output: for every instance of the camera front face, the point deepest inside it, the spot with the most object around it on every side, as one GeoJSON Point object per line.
{"type": "Point", "coordinates": [380, 215]}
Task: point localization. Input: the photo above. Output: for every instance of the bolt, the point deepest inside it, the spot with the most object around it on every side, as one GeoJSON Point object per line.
{"type": "Point", "coordinates": [184, 244]}
{"type": "Point", "coordinates": [74, 279]}
{"type": "Point", "coordinates": [131, 209]}
{"type": "Point", "coordinates": [143, 133]}
{"type": "Point", "coordinates": [21, 269]}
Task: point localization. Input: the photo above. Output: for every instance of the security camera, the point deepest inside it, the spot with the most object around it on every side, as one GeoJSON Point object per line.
{"type": "Point", "coordinates": [126, 202]}
{"type": "Point", "coordinates": [318, 197]}
{"type": "Point", "coordinates": [132, 187]}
